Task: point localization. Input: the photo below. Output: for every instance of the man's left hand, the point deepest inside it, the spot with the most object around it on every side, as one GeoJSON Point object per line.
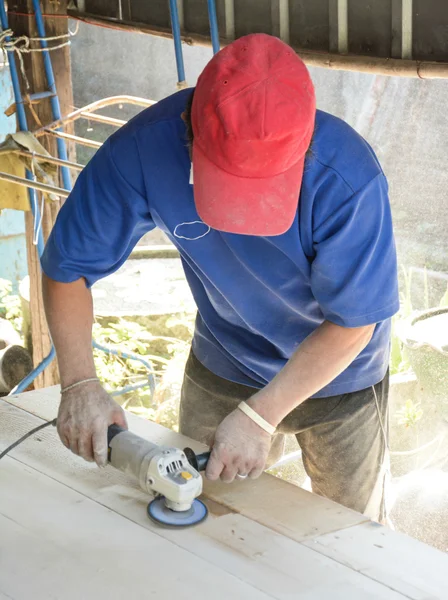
{"type": "Point", "coordinates": [240, 447]}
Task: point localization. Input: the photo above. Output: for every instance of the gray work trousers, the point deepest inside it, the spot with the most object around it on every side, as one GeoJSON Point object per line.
{"type": "Point", "coordinates": [343, 438]}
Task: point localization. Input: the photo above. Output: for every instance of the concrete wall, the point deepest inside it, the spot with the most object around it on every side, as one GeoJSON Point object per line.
{"type": "Point", "coordinates": [405, 120]}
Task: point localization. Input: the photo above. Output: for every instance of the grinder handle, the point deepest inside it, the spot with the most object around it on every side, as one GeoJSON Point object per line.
{"type": "Point", "coordinates": [112, 431]}
{"type": "Point", "coordinates": [202, 460]}
{"type": "Point", "coordinates": [197, 461]}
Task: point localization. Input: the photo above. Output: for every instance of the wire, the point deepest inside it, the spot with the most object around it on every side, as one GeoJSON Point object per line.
{"type": "Point", "coordinates": [27, 435]}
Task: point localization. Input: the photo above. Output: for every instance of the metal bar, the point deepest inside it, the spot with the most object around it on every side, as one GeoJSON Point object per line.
{"type": "Point", "coordinates": [175, 26]}
{"type": "Point", "coordinates": [54, 100]}
{"type": "Point", "coordinates": [343, 26]}
{"type": "Point", "coordinates": [73, 138]}
{"type": "Point", "coordinates": [23, 125]}
{"type": "Point", "coordinates": [396, 28]}
{"type": "Point", "coordinates": [181, 13]}
{"type": "Point", "coordinates": [36, 185]}
{"type": "Point", "coordinates": [156, 251]}
{"type": "Point", "coordinates": [130, 388]}
{"type": "Point", "coordinates": [94, 106]}
{"type": "Point", "coordinates": [435, 274]}
{"type": "Point", "coordinates": [229, 8]}
{"type": "Point", "coordinates": [14, 75]}
{"type": "Point", "coordinates": [406, 30]}
{"type": "Point", "coordinates": [50, 159]}
{"type": "Point", "coordinates": [283, 15]}
{"type": "Point", "coordinates": [103, 119]}
{"type": "Point", "coordinates": [213, 20]}
{"type": "Point", "coordinates": [129, 356]}
{"type": "Point", "coordinates": [287, 459]}
{"type": "Point", "coordinates": [126, 13]}
{"type": "Point", "coordinates": [28, 380]}
{"type": "Point", "coordinates": [40, 95]}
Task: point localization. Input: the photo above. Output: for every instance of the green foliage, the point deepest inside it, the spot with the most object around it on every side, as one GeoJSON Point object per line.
{"type": "Point", "coordinates": [10, 306]}
{"type": "Point", "coordinates": [116, 372]}
{"type": "Point", "coordinates": [410, 414]}
{"type": "Point", "coordinates": [398, 360]}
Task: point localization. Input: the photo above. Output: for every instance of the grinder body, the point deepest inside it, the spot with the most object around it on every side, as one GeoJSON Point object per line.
{"type": "Point", "coordinates": [159, 469]}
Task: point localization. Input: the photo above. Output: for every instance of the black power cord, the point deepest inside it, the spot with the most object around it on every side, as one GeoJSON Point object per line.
{"type": "Point", "coordinates": [27, 435]}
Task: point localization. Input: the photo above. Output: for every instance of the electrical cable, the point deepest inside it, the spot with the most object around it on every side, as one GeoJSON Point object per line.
{"type": "Point", "coordinates": [27, 435]}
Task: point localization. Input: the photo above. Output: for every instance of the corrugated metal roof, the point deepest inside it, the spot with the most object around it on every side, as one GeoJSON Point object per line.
{"type": "Point", "coordinates": [399, 37]}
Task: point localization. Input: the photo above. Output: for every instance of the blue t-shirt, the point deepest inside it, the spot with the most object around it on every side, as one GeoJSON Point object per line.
{"type": "Point", "coordinates": [258, 298]}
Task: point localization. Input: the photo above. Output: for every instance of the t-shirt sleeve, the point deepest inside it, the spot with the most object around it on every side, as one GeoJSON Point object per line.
{"type": "Point", "coordinates": [354, 271]}
{"type": "Point", "coordinates": [103, 218]}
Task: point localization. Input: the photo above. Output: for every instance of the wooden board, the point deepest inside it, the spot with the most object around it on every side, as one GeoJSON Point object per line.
{"type": "Point", "coordinates": [70, 530]}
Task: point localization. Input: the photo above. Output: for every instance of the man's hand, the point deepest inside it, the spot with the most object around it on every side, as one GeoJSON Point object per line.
{"type": "Point", "coordinates": [240, 447]}
{"type": "Point", "coordinates": [85, 413]}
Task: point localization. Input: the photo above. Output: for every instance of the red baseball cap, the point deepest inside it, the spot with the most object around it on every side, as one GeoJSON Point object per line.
{"type": "Point", "coordinates": [253, 119]}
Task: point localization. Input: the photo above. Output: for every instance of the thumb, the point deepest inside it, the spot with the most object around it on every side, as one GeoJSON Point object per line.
{"type": "Point", "coordinates": [119, 418]}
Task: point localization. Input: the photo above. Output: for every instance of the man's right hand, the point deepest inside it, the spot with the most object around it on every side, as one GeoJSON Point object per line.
{"type": "Point", "coordinates": [85, 413]}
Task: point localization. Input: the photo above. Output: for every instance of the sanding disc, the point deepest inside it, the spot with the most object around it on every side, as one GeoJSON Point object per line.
{"type": "Point", "coordinates": [159, 513]}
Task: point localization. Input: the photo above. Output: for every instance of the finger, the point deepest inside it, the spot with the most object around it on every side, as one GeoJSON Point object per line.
{"type": "Point", "coordinates": [214, 467]}
{"type": "Point", "coordinates": [85, 448]}
{"type": "Point", "coordinates": [120, 419]}
{"type": "Point", "coordinates": [256, 471]}
{"type": "Point", "coordinates": [99, 443]}
{"type": "Point", "coordinates": [73, 443]}
{"type": "Point", "coordinates": [63, 438]}
{"type": "Point", "coordinates": [229, 473]}
{"type": "Point", "coordinates": [61, 432]}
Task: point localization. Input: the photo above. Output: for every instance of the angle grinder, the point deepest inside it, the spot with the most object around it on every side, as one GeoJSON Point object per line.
{"type": "Point", "coordinates": [170, 473]}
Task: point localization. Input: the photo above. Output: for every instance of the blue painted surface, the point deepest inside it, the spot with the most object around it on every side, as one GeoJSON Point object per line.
{"type": "Point", "coordinates": [13, 263]}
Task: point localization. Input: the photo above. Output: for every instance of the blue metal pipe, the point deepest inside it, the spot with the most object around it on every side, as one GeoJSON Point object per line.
{"type": "Point", "coordinates": [62, 152]}
{"type": "Point", "coordinates": [213, 20]}
{"type": "Point", "coordinates": [132, 388]}
{"type": "Point", "coordinates": [175, 26]}
{"type": "Point", "coordinates": [28, 380]}
{"type": "Point", "coordinates": [13, 70]}
{"type": "Point", "coordinates": [23, 126]}
{"type": "Point", "coordinates": [127, 355]}
{"type": "Point", "coordinates": [40, 95]}
{"type": "Point", "coordinates": [54, 100]}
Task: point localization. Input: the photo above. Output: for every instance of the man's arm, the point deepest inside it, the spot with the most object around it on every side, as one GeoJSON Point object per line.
{"type": "Point", "coordinates": [69, 312]}
{"type": "Point", "coordinates": [87, 410]}
{"type": "Point", "coordinates": [240, 445]}
{"type": "Point", "coordinates": [322, 357]}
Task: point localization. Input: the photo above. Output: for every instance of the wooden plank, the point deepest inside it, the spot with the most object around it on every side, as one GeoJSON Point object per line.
{"type": "Point", "coordinates": [280, 565]}
{"type": "Point", "coordinates": [274, 503]}
{"type": "Point", "coordinates": [83, 541]}
{"type": "Point", "coordinates": [245, 556]}
{"type": "Point", "coordinates": [57, 543]}
{"type": "Point", "coordinates": [394, 559]}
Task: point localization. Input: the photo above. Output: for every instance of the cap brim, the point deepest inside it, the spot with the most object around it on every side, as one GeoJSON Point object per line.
{"type": "Point", "coordinates": [243, 205]}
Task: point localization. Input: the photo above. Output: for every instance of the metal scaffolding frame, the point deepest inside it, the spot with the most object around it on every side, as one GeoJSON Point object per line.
{"type": "Point", "coordinates": [86, 112]}
{"type": "Point", "coordinates": [54, 128]}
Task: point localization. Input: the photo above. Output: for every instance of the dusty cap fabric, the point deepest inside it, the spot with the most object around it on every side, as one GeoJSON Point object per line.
{"type": "Point", "coordinates": [253, 118]}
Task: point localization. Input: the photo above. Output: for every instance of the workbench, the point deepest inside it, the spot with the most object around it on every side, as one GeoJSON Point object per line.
{"type": "Point", "coordinates": [69, 530]}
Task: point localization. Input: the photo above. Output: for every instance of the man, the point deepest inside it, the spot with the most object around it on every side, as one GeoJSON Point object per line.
{"type": "Point", "coordinates": [282, 220]}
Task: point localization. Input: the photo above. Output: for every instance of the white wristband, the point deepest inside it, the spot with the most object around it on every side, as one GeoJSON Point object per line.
{"type": "Point", "coordinates": [247, 410]}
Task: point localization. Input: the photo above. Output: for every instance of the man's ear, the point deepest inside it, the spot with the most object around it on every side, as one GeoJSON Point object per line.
{"type": "Point", "coordinates": [183, 116]}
